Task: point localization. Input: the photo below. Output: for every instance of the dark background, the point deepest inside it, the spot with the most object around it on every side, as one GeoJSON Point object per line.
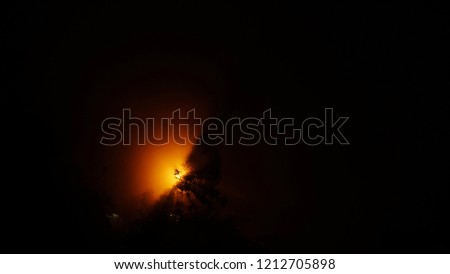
{"type": "Point", "coordinates": [385, 65]}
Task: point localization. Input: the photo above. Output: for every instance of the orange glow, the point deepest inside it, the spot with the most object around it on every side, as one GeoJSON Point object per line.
{"type": "Point", "coordinates": [149, 169]}
{"type": "Point", "coordinates": [158, 165]}
{"type": "Point", "coordinates": [180, 172]}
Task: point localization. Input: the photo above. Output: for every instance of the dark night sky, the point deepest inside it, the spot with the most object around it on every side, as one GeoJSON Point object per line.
{"type": "Point", "coordinates": [66, 66]}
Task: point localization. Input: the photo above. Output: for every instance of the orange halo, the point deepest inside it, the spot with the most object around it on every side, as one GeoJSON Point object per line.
{"type": "Point", "coordinates": [157, 167]}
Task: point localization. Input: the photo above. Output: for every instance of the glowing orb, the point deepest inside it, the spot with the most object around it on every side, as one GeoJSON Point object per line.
{"type": "Point", "coordinates": [158, 165]}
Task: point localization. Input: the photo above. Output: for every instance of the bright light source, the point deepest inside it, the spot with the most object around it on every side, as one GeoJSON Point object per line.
{"type": "Point", "coordinates": [179, 173]}
{"type": "Point", "coordinates": [157, 165]}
